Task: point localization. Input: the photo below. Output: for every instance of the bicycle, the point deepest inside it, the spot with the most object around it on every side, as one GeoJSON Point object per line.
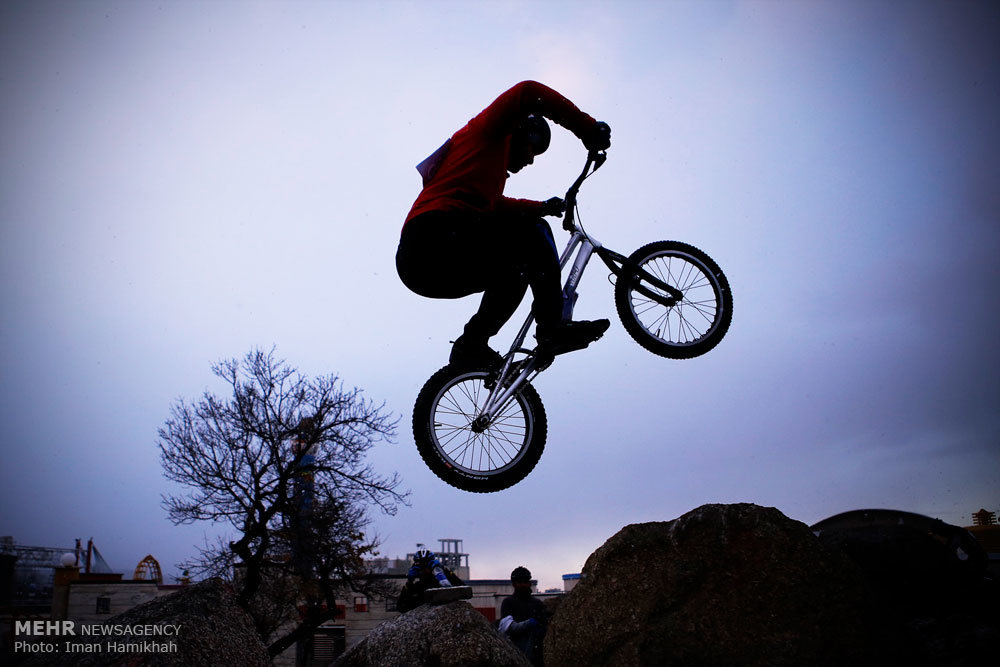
{"type": "Point", "coordinates": [483, 430]}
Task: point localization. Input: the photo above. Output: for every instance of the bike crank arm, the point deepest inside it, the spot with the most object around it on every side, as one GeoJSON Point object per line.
{"type": "Point", "coordinates": [620, 266]}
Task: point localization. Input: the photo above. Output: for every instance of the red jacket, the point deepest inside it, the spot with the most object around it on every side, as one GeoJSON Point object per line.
{"type": "Point", "coordinates": [474, 170]}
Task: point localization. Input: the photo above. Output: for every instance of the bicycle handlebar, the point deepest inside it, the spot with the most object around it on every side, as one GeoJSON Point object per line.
{"type": "Point", "coordinates": [595, 159]}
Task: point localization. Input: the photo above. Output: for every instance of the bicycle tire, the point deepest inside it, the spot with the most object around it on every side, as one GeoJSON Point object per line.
{"type": "Point", "coordinates": [692, 326]}
{"type": "Point", "coordinates": [493, 460]}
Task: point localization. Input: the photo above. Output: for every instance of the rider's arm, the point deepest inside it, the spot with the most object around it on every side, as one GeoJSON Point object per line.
{"type": "Point", "coordinates": [530, 97]}
{"type": "Point", "coordinates": [510, 108]}
{"type": "Point", "coordinates": [522, 206]}
{"type": "Point", "coordinates": [554, 206]}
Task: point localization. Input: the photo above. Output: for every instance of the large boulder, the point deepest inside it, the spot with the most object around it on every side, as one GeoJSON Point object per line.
{"type": "Point", "coordinates": [721, 585]}
{"type": "Point", "coordinates": [450, 635]}
{"type": "Point", "coordinates": [916, 563]}
{"type": "Point", "coordinates": [211, 630]}
{"type": "Point", "coordinates": [934, 603]}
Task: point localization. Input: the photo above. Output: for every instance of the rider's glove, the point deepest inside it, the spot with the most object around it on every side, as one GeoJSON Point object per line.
{"type": "Point", "coordinates": [554, 206]}
{"type": "Point", "coordinates": [414, 572]}
{"type": "Point", "coordinates": [598, 138]}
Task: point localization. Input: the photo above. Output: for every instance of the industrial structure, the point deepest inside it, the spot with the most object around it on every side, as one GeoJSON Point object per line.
{"type": "Point", "coordinates": [984, 527]}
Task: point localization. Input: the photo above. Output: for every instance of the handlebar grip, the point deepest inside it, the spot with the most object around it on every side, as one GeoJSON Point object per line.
{"type": "Point", "coordinates": [599, 138]}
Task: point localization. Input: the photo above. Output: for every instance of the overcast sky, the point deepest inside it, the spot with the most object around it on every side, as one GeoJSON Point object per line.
{"type": "Point", "coordinates": [181, 182]}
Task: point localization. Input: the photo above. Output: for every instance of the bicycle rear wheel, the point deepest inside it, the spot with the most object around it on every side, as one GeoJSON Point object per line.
{"type": "Point", "coordinates": [472, 459]}
{"type": "Point", "coordinates": [683, 329]}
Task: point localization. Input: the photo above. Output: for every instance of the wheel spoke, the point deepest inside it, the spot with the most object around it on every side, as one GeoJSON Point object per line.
{"type": "Point", "coordinates": [498, 446]}
{"type": "Point", "coordinates": [690, 319]}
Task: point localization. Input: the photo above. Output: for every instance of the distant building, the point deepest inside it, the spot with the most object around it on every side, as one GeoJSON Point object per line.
{"type": "Point", "coordinates": [984, 518]}
{"type": "Point", "coordinates": [987, 533]}
{"type": "Point", "coordinates": [27, 572]}
{"type": "Point", "coordinates": [32, 578]}
{"type": "Point", "coordinates": [52, 586]}
{"type": "Point", "coordinates": [570, 581]}
{"type": "Point", "coordinates": [88, 598]}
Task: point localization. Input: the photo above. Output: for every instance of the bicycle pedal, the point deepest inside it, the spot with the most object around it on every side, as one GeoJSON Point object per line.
{"type": "Point", "coordinates": [544, 357]}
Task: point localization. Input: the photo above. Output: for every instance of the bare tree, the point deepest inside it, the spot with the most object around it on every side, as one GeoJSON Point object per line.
{"type": "Point", "coordinates": [282, 462]}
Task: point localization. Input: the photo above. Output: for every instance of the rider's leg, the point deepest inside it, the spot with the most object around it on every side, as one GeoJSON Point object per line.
{"type": "Point", "coordinates": [543, 272]}
{"type": "Point", "coordinates": [522, 255]}
{"type": "Point", "coordinates": [500, 300]}
{"type": "Point", "coordinates": [541, 268]}
{"type": "Point", "coordinates": [452, 254]}
{"type": "Point", "coordinates": [448, 255]}
{"type": "Point", "coordinates": [436, 256]}
{"type": "Point", "coordinates": [498, 304]}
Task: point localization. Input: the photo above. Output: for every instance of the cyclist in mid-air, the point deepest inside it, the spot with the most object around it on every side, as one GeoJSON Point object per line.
{"type": "Point", "coordinates": [462, 236]}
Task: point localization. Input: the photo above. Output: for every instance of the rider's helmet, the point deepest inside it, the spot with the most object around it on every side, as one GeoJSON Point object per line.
{"type": "Point", "coordinates": [535, 130]}
{"type": "Point", "coordinates": [423, 558]}
{"type": "Point", "coordinates": [520, 573]}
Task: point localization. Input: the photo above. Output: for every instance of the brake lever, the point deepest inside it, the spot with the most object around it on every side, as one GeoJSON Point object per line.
{"type": "Point", "coordinates": [599, 158]}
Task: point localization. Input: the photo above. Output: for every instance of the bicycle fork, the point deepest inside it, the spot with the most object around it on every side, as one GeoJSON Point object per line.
{"type": "Point", "coordinates": [503, 391]}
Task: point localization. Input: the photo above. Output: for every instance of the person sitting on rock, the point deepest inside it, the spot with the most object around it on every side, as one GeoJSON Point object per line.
{"type": "Point", "coordinates": [523, 617]}
{"type": "Point", "coordinates": [421, 577]}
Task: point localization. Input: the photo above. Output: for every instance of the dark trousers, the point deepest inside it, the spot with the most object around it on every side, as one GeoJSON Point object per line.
{"type": "Point", "coordinates": [451, 254]}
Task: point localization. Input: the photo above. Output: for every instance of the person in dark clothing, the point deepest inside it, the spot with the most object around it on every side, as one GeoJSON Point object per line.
{"type": "Point", "coordinates": [462, 236]}
{"type": "Point", "coordinates": [523, 617]}
{"type": "Point", "coordinates": [422, 577]}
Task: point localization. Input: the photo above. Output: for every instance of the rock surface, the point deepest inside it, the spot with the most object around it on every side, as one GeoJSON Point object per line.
{"type": "Point", "coordinates": [450, 635]}
{"type": "Point", "coordinates": [933, 601]}
{"type": "Point", "coordinates": [213, 631]}
{"type": "Point", "coordinates": [721, 585]}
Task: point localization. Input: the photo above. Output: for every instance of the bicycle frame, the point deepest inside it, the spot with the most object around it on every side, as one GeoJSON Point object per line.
{"type": "Point", "coordinates": [577, 254]}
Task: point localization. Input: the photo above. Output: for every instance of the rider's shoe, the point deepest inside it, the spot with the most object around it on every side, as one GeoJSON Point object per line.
{"type": "Point", "coordinates": [474, 352]}
{"type": "Point", "coordinates": [570, 336]}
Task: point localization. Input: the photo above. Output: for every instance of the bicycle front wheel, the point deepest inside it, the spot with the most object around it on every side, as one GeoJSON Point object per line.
{"type": "Point", "coordinates": [468, 457]}
{"type": "Point", "coordinates": [681, 329]}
